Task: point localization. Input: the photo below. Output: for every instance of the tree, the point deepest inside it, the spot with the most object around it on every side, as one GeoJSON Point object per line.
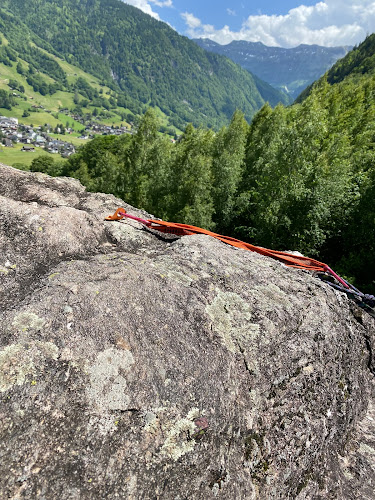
{"type": "Point", "coordinates": [257, 204]}
{"type": "Point", "coordinates": [190, 193]}
{"type": "Point", "coordinates": [42, 164]}
{"type": "Point", "coordinates": [56, 168]}
{"type": "Point", "coordinates": [20, 69]}
{"type": "Point", "coordinates": [137, 158]}
{"type": "Point", "coordinates": [357, 260]}
{"type": "Point", "coordinates": [6, 100]}
{"type": "Point", "coordinates": [13, 84]}
{"type": "Point", "coordinates": [82, 174]}
{"type": "Point", "coordinates": [227, 169]}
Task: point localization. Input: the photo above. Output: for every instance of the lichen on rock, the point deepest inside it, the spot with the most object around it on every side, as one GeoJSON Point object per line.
{"type": "Point", "coordinates": [232, 317]}
{"type": "Point", "coordinates": [18, 362]}
{"type": "Point", "coordinates": [178, 440]}
{"type": "Point", "coordinates": [27, 321]}
{"type": "Point", "coordinates": [108, 386]}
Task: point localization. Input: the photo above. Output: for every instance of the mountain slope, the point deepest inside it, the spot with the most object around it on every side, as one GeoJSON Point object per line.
{"type": "Point", "coordinates": [289, 69]}
{"type": "Point", "coordinates": [143, 60]}
{"type": "Point", "coordinates": [31, 106]}
{"type": "Point", "coordinates": [359, 61]}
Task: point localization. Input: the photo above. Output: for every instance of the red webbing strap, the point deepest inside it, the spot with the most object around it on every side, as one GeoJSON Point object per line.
{"type": "Point", "coordinates": [291, 260]}
{"type": "Point", "coordinates": [285, 257]}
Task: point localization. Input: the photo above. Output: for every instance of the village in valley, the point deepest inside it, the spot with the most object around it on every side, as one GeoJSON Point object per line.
{"type": "Point", "coordinates": [31, 138]}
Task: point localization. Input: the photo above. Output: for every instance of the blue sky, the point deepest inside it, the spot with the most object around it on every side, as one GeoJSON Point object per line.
{"type": "Point", "coordinates": [218, 14]}
{"type": "Point", "coordinates": [275, 23]}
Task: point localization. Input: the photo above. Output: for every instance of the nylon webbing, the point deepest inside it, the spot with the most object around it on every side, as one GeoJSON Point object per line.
{"type": "Point", "coordinates": [289, 259]}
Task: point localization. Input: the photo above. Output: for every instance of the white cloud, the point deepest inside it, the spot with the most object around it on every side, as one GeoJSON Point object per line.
{"type": "Point", "coordinates": [145, 6]}
{"type": "Point", "coordinates": [162, 3]}
{"type": "Point", "coordinates": [231, 12]}
{"type": "Point", "coordinates": [329, 23]}
{"type": "Point", "coordinates": [192, 21]}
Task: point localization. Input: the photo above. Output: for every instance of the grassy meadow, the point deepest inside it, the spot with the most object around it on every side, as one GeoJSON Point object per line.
{"type": "Point", "coordinates": [10, 156]}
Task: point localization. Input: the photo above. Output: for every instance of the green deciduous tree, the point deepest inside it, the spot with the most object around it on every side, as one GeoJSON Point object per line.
{"type": "Point", "coordinates": [42, 164]}
{"type": "Point", "coordinates": [227, 169]}
{"type": "Point", "coordinates": [190, 198]}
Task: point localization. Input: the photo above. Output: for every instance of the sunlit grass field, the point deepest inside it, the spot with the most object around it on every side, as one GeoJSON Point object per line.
{"type": "Point", "coordinates": [10, 156]}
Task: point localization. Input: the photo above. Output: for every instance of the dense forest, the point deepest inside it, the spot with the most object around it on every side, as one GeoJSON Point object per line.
{"type": "Point", "coordinates": [142, 60]}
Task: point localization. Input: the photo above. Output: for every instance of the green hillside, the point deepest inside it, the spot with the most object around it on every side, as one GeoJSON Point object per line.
{"type": "Point", "coordinates": [360, 60]}
{"type": "Point", "coordinates": [60, 98]}
{"type": "Point", "coordinates": [143, 61]}
{"type": "Point", "coordinates": [80, 92]}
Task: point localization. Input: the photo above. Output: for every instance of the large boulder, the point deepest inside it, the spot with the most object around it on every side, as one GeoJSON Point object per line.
{"type": "Point", "coordinates": [134, 365]}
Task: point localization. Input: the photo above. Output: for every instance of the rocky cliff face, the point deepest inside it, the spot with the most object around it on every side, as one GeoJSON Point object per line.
{"type": "Point", "coordinates": [136, 366]}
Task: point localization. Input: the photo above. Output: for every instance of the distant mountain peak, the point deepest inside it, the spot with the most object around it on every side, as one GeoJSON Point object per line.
{"type": "Point", "coordinates": [283, 68]}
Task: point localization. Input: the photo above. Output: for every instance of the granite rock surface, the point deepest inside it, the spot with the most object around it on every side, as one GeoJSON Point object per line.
{"type": "Point", "coordinates": [134, 365]}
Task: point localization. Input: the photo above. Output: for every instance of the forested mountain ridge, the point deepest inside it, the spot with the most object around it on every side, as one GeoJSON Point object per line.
{"type": "Point", "coordinates": [143, 60]}
{"type": "Point", "coordinates": [289, 69]}
{"type": "Point", "coordinates": [360, 60]}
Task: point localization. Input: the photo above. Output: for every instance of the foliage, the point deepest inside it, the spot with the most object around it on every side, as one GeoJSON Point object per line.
{"type": "Point", "coordinates": [308, 183]}
{"type": "Point", "coordinates": [6, 100]}
{"type": "Point", "coordinates": [227, 169]}
{"type": "Point", "coordinates": [46, 164]}
{"type": "Point", "coordinates": [7, 55]}
{"type": "Point", "coordinates": [360, 60]}
{"type": "Point", "coordinates": [84, 88]}
{"type": "Point", "coordinates": [191, 181]}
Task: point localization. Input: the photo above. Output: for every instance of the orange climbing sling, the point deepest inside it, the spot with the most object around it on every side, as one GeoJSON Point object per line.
{"type": "Point", "coordinates": [289, 259]}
